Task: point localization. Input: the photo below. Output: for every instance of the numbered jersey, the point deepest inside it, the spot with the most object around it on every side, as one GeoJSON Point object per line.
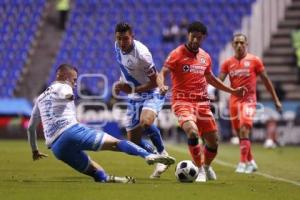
{"type": "Point", "coordinates": [55, 107]}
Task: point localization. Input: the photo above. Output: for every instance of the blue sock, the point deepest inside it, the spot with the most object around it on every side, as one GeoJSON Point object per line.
{"type": "Point", "coordinates": [154, 134]}
{"type": "Point", "coordinates": [100, 176]}
{"type": "Point", "coordinates": [147, 146]}
{"type": "Point", "coordinates": [132, 149]}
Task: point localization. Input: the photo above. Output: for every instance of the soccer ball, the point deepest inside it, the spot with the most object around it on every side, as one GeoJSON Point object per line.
{"type": "Point", "coordinates": [186, 171]}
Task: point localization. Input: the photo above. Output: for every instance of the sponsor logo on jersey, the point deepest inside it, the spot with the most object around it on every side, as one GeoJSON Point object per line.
{"type": "Point", "coordinates": [239, 72]}
{"type": "Point", "coordinates": [194, 68]}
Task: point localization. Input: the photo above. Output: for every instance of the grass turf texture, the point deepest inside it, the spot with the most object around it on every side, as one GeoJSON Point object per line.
{"type": "Point", "coordinates": [21, 178]}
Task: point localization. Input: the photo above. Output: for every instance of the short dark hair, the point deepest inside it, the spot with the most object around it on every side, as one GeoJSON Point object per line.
{"type": "Point", "coordinates": [238, 35]}
{"type": "Point", "coordinates": [197, 27]}
{"type": "Point", "coordinates": [123, 27]}
{"type": "Point", "coordinates": [65, 67]}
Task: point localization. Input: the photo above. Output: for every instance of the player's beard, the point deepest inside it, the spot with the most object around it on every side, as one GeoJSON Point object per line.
{"type": "Point", "coordinates": [194, 46]}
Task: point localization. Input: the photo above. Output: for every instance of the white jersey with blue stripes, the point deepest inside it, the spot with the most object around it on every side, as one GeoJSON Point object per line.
{"type": "Point", "coordinates": [56, 108]}
{"type": "Point", "coordinates": [136, 66]}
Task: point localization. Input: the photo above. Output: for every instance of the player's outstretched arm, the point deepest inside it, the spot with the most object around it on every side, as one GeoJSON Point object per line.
{"type": "Point", "coordinates": [31, 133]}
{"type": "Point", "coordinates": [268, 84]}
{"type": "Point", "coordinates": [160, 80]}
{"type": "Point", "coordinates": [217, 83]}
{"type": "Point", "coordinates": [222, 76]}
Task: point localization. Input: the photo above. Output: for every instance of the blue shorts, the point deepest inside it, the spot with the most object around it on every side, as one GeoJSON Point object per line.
{"type": "Point", "coordinates": [135, 106]}
{"type": "Point", "coordinates": [69, 146]}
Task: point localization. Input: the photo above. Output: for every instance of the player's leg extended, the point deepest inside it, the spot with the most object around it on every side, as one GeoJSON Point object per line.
{"type": "Point", "coordinates": [150, 110]}
{"type": "Point", "coordinates": [210, 152]}
{"type": "Point", "coordinates": [135, 136]}
{"type": "Point", "coordinates": [210, 147]}
{"type": "Point", "coordinates": [133, 128]}
{"type": "Point", "coordinates": [208, 131]}
{"type": "Point", "coordinates": [191, 130]}
{"type": "Point", "coordinates": [185, 113]}
{"type": "Point", "coordinates": [146, 122]}
{"type": "Point", "coordinates": [68, 148]}
{"type": "Point", "coordinates": [147, 118]}
{"type": "Point", "coordinates": [248, 111]}
{"type": "Point", "coordinates": [114, 144]}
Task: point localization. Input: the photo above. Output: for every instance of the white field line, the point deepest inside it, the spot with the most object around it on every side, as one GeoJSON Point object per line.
{"type": "Point", "coordinates": [226, 164]}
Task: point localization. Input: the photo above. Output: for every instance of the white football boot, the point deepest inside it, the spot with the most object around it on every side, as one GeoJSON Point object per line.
{"type": "Point", "coordinates": [157, 158]}
{"type": "Point", "coordinates": [201, 175]}
{"type": "Point", "coordinates": [210, 173]}
{"type": "Point", "coordinates": [119, 179]}
{"type": "Point", "coordinates": [241, 168]}
{"type": "Point", "coordinates": [251, 167]}
{"type": "Point", "coordinates": [160, 168]}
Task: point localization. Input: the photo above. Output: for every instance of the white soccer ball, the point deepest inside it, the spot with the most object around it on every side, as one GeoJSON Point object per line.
{"type": "Point", "coordinates": [186, 171]}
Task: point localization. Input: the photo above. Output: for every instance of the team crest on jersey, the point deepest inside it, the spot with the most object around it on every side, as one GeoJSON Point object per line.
{"type": "Point", "coordinates": [186, 68]}
{"type": "Point", "coordinates": [202, 61]}
{"type": "Point", "coordinates": [247, 64]}
{"type": "Point", "coordinates": [129, 62]}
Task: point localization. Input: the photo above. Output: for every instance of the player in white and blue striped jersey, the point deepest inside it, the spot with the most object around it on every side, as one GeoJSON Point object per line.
{"type": "Point", "coordinates": [68, 139]}
{"type": "Point", "coordinates": [138, 80]}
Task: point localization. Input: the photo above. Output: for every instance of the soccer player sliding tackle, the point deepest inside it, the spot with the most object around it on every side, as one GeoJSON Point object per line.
{"type": "Point", "coordinates": [68, 139]}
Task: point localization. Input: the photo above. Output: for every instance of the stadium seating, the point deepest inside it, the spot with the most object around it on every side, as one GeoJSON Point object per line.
{"type": "Point", "coordinates": [19, 21]}
{"type": "Point", "coordinates": [89, 39]}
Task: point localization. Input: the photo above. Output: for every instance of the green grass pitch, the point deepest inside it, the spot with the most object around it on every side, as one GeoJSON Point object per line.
{"type": "Point", "coordinates": [22, 179]}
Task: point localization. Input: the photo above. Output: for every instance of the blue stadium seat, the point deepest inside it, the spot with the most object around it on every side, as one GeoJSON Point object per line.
{"type": "Point", "coordinates": [19, 22]}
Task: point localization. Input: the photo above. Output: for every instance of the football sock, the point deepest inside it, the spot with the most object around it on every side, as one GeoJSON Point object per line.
{"type": "Point", "coordinates": [250, 155]}
{"type": "Point", "coordinates": [195, 151]}
{"type": "Point", "coordinates": [244, 149]}
{"type": "Point", "coordinates": [100, 176]}
{"type": "Point", "coordinates": [132, 149]}
{"type": "Point", "coordinates": [147, 146]}
{"type": "Point", "coordinates": [209, 154]}
{"type": "Point", "coordinates": [155, 137]}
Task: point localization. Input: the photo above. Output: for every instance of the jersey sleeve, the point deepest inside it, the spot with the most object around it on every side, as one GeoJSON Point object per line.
{"type": "Point", "coordinates": [171, 60]}
{"type": "Point", "coordinates": [209, 63]}
{"type": "Point", "coordinates": [147, 63]}
{"type": "Point", "coordinates": [224, 67]}
{"type": "Point", "coordinates": [33, 123]}
{"type": "Point", "coordinates": [65, 92]}
{"type": "Point", "coordinates": [117, 53]}
{"type": "Point", "coordinates": [259, 67]}
{"type": "Point", "coordinates": [35, 114]}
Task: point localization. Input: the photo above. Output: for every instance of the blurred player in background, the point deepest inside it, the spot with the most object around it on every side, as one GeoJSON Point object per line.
{"type": "Point", "coordinates": [68, 139]}
{"type": "Point", "coordinates": [243, 68]}
{"type": "Point", "coordinates": [190, 68]}
{"type": "Point", "coordinates": [138, 80]}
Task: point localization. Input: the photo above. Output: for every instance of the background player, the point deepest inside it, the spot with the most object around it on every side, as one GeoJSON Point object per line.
{"type": "Point", "coordinates": [190, 68]}
{"type": "Point", "coordinates": [138, 80]}
{"type": "Point", "coordinates": [243, 68]}
{"type": "Point", "coordinates": [68, 139]}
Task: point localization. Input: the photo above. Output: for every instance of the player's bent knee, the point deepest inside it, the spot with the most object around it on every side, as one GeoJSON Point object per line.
{"type": "Point", "coordinates": [146, 123]}
{"type": "Point", "coordinates": [244, 131]}
{"type": "Point", "coordinates": [211, 139]}
{"type": "Point", "coordinates": [190, 129]}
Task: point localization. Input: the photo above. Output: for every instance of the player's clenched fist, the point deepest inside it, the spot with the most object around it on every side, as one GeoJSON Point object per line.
{"type": "Point", "coordinates": [121, 86]}
{"type": "Point", "coordinates": [240, 91]}
{"type": "Point", "coordinates": [163, 89]}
